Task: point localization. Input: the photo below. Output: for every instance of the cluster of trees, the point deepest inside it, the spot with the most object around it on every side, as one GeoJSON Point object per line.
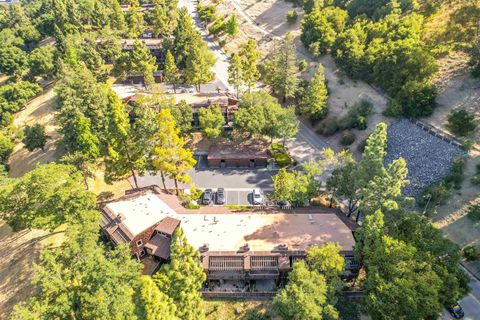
{"type": "Point", "coordinates": [225, 24]}
{"type": "Point", "coordinates": [95, 123]}
{"type": "Point", "coordinates": [260, 114]}
{"type": "Point", "coordinates": [312, 286]}
{"type": "Point", "coordinates": [281, 70]}
{"type": "Point", "coordinates": [381, 44]}
{"type": "Point", "coordinates": [83, 278]}
{"type": "Point", "coordinates": [403, 254]}
{"type": "Point", "coordinates": [243, 71]}
{"type": "Point", "coordinates": [300, 186]}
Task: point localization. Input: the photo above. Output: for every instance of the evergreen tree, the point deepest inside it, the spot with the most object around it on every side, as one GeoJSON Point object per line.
{"type": "Point", "coordinates": [136, 24]}
{"type": "Point", "coordinates": [151, 303]}
{"type": "Point", "coordinates": [117, 18]}
{"type": "Point", "coordinates": [182, 278]}
{"type": "Point", "coordinates": [170, 156]}
{"type": "Point", "coordinates": [250, 56]}
{"type": "Point", "coordinates": [231, 25]}
{"type": "Point", "coordinates": [281, 69]}
{"type": "Point", "coordinates": [186, 37]}
{"type": "Point", "coordinates": [314, 102]}
{"type": "Point", "coordinates": [164, 17]}
{"type": "Point", "coordinates": [170, 71]}
{"type": "Point", "coordinates": [143, 63]}
{"type": "Point", "coordinates": [235, 73]}
{"type": "Point", "coordinates": [200, 60]}
{"type": "Point", "coordinates": [120, 159]}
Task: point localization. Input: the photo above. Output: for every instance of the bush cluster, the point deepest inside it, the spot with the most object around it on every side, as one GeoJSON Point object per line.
{"type": "Point", "coordinates": [292, 16]}
{"type": "Point", "coordinates": [476, 178]}
{"type": "Point", "coordinates": [347, 138]}
{"type": "Point", "coordinates": [356, 118]}
{"type": "Point", "coordinates": [474, 212]}
{"type": "Point", "coordinates": [471, 253]}
{"type": "Point", "coordinates": [461, 122]}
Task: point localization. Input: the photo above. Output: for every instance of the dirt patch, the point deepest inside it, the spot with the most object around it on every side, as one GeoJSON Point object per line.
{"type": "Point", "coordinates": [461, 91]}
{"type": "Point", "coordinates": [19, 251]}
{"type": "Point", "coordinates": [39, 110]}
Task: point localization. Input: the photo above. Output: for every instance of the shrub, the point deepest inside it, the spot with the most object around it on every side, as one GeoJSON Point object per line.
{"type": "Point", "coordinates": [207, 13]}
{"type": "Point", "coordinates": [394, 109]}
{"type": "Point", "coordinates": [467, 144]}
{"type": "Point", "coordinates": [216, 28]}
{"type": "Point", "coordinates": [292, 16]}
{"type": "Point", "coordinates": [277, 148]}
{"type": "Point", "coordinates": [434, 195]}
{"type": "Point", "coordinates": [475, 180]}
{"type": "Point", "coordinates": [474, 212]}
{"type": "Point", "coordinates": [456, 175]}
{"type": "Point", "coordinates": [35, 137]}
{"type": "Point", "coordinates": [302, 65]}
{"type": "Point", "coordinates": [282, 159]}
{"type": "Point", "coordinates": [461, 122]}
{"type": "Point", "coordinates": [328, 128]}
{"type": "Point", "coordinates": [361, 145]}
{"type": "Point", "coordinates": [347, 138]}
{"type": "Point", "coordinates": [357, 116]}
{"type": "Point", "coordinates": [471, 253]}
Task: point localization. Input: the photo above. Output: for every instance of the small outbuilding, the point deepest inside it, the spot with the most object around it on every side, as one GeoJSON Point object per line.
{"type": "Point", "coordinates": [251, 154]}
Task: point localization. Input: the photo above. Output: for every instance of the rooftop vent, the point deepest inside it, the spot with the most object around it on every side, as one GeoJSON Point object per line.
{"type": "Point", "coordinates": [120, 217]}
{"type": "Point", "coordinates": [245, 248]}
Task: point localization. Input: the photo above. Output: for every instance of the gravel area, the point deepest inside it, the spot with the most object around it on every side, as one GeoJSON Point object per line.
{"type": "Point", "coordinates": [428, 158]}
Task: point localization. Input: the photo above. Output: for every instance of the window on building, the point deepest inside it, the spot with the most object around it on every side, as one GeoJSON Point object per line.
{"type": "Point", "coordinates": [142, 253]}
{"type": "Point", "coordinates": [139, 243]}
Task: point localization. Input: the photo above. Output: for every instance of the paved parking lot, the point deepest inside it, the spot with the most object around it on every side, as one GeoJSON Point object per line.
{"type": "Point", "coordinates": [237, 197]}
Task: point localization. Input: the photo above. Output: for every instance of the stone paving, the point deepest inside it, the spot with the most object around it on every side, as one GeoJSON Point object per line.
{"type": "Point", "coordinates": [429, 159]}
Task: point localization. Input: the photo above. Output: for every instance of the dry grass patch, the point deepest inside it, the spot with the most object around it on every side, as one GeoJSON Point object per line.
{"type": "Point", "coordinates": [39, 110]}
{"type": "Point", "coordinates": [19, 251]}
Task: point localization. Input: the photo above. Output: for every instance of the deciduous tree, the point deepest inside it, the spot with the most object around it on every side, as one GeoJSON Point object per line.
{"type": "Point", "coordinates": [211, 121]}
{"type": "Point", "coordinates": [305, 296]}
{"type": "Point", "coordinates": [45, 198]}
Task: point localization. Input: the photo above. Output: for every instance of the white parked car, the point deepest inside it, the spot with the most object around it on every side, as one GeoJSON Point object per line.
{"type": "Point", "coordinates": [257, 197]}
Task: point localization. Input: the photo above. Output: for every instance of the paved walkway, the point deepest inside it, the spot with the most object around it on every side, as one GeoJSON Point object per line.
{"type": "Point", "coordinates": [221, 66]}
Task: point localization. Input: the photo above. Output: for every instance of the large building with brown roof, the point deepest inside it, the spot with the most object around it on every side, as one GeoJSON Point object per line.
{"type": "Point", "coordinates": [232, 246]}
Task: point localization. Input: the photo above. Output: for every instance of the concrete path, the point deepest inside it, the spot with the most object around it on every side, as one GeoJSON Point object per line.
{"type": "Point", "coordinates": [221, 66]}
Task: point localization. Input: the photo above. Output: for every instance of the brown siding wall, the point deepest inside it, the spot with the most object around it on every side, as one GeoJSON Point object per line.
{"type": "Point", "coordinates": [145, 237]}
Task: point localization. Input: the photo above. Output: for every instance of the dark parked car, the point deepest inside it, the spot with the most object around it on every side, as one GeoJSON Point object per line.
{"type": "Point", "coordinates": [220, 196]}
{"type": "Point", "coordinates": [456, 311]}
{"type": "Point", "coordinates": [207, 196]}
